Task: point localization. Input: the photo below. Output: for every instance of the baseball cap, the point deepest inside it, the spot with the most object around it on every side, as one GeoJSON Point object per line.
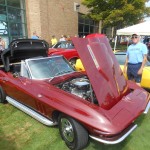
{"type": "Point", "coordinates": [135, 35]}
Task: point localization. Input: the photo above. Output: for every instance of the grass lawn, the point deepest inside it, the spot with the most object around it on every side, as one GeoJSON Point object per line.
{"type": "Point", "coordinates": [119, 47]}
{"type": "Point", "coordinates": [19, 131]}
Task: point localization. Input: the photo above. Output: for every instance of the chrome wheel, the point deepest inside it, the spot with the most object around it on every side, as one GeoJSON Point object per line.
{"type": "Point", "coordinates": [72, 132]}
{"type": "Point", "coordinates": [67, 129]}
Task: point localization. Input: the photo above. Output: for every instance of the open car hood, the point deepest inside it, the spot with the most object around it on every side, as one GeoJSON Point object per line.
{"type": "Point", "coordinates": [21, 49]}
{"type": "Point", "coordinates": [102, 69]}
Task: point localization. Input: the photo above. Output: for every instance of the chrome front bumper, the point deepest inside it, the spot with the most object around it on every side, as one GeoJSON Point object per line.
{"type": "Point", "coordinates": [116, 139]}
{"type": "Point", "coordinates": [119, 138]}
{"type": "Point", "coordinates": [147, 108]}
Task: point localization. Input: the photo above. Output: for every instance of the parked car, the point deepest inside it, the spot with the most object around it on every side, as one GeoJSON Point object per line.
{"type": "Point", "coordinates": [65, 48]}
{"type": "Point", "coordinates": [146, 41]}
{"type": "Point", "coordinates": [95, 35]}
{"type": "Point", "coordinates": [121, 56]}
{"type": "Point", "coordinates": [101, 105]}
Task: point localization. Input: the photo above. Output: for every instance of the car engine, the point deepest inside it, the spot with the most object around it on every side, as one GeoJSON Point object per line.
{"type": "Point", "coordinates": [80, 87]}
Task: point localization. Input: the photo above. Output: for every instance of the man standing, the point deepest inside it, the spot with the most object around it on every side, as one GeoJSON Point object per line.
{"type": "Point", "coordinates": [62, 39]}
{"type": "Point", "coordinates": [136, 58]}
{"type": "Point", "coordinates": [2, 44]}
{"type": "Point", "coordinates": [53, 40]}
{"type": "Point", "coordinates": [35, 36]}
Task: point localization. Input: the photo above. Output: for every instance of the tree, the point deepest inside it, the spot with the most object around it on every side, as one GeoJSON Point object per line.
{"type": "Point", "coordinates": [117, 13]}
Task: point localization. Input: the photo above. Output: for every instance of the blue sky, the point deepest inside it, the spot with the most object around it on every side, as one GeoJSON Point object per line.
{"type": "Point", "coordinates": [148, 5]}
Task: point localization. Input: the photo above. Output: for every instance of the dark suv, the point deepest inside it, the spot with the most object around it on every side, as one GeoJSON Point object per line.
{"type": "Point", "coordinates": [147, 42]}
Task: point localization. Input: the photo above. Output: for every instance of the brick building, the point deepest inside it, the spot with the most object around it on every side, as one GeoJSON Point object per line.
{"type": "Point", "coordinates": [20, 18]}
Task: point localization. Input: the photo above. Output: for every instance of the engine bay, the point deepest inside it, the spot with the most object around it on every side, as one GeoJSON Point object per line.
{"type": "Point", "coordinates": [80, 87]}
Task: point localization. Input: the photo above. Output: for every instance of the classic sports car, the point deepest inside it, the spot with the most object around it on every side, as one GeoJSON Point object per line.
{"type": "Point", "coordinates": [101, 105]}
{"type": "Point", "coordinates": [65, 48]}
{"type": "Point", "coordinates": [121, 56]}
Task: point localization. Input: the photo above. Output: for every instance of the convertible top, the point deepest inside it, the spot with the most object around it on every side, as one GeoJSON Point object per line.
{"type": "Point", "coordinates": [21, 49]}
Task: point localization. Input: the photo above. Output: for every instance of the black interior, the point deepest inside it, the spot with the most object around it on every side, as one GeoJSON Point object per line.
{"type": "Point", "coordinates": [23, 49]}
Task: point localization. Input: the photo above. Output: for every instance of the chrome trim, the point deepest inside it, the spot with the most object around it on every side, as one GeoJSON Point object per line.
{"type": "Point", "coordinates": [67, 130]}
{"type": "Point", "coordinates": [115, 141]}
{"type": "Point", "coordinates": [30, 112]}
{"type": "Point", "coordinates": [147, 108]}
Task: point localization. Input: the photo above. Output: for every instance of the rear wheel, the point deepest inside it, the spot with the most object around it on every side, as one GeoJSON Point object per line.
{"type": "Point", "coordinates": [2, 95]}
{"type": "Point", "coordinates": [73, 133]}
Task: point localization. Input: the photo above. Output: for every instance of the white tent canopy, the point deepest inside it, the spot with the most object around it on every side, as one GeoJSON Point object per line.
{"type": "Point", "coordinates": [141, 29]}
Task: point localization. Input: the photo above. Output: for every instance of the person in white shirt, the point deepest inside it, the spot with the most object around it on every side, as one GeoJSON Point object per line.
{"type": "Point", "coordinates": [62, 39]}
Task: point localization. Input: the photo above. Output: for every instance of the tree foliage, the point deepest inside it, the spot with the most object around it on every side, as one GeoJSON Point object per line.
{"type": "Point", "coordinates": [117, 13]}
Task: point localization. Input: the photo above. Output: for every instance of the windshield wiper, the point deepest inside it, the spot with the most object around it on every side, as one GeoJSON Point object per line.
{"type": "Point", "coordinates": [62, 72]}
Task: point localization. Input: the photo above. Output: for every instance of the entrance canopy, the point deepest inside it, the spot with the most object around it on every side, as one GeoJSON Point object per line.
{"type": "Point", "coordinates": [141, 29]}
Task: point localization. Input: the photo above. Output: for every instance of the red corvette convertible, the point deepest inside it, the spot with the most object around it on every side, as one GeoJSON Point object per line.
{"type": "Point", "coordinates": [101, 105]}
{"type": "Point", "coordinates": [65, 48]}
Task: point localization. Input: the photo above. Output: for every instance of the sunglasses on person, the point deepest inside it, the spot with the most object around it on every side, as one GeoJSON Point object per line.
{"type": "Point", "coordinates": [134, 37]}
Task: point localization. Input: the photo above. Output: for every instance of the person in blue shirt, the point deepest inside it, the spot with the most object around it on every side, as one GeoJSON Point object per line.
{"type": "Point", "coordinates": [136, 58]}
{"type": "Point", "coordinates": [35, 36]}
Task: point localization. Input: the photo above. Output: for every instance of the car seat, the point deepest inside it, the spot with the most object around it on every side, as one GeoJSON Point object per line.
{"type": "Point", "coordinates": [15, 68]}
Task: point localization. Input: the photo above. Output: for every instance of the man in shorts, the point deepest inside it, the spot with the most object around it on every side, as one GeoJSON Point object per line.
{"type": "Point", "coordinates": [136, 58]}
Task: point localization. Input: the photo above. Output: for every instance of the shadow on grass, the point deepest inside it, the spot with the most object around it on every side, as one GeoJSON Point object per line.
{"type": "Point", "coordinates": [140, 120]}
{"type": "Point", "coordinates": [6, 143]}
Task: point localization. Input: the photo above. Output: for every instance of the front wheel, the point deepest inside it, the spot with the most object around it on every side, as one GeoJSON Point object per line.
{"type": "Point", "coordinates": [2, 95]}
{"type": "Point", "coordinates": [73, 133]}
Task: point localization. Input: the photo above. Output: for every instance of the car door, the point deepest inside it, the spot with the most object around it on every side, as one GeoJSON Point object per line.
{"type": "Point", "coordinates": [19, 88]}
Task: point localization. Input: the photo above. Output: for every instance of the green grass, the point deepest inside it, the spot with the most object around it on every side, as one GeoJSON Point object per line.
{"type": "Point", "coordinates": [19, 131]}
{"type": "Point", "coordinates": [119, 47]}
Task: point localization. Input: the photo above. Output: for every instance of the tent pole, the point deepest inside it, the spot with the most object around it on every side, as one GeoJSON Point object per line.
{"type": "Point", "coordinates": [115, 43]}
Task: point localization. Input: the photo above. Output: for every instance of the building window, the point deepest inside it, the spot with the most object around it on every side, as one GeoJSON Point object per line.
{"type": "Point", "coordinates": [86, 25]}
{"type": "Point", "coordinates": [15, 3]}
{"type": "Point", "coordinates": [12, 20]}
{"type": "Point", "coordinates": [2, 2]}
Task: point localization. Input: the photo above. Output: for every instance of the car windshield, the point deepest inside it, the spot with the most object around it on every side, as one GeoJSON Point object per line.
{"type": "Point", "coordinates": [64, 44]}
{"type": "Point", "coordinates": [122, 57]}
{"type": "Point", "coordinates": [50, 67]}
